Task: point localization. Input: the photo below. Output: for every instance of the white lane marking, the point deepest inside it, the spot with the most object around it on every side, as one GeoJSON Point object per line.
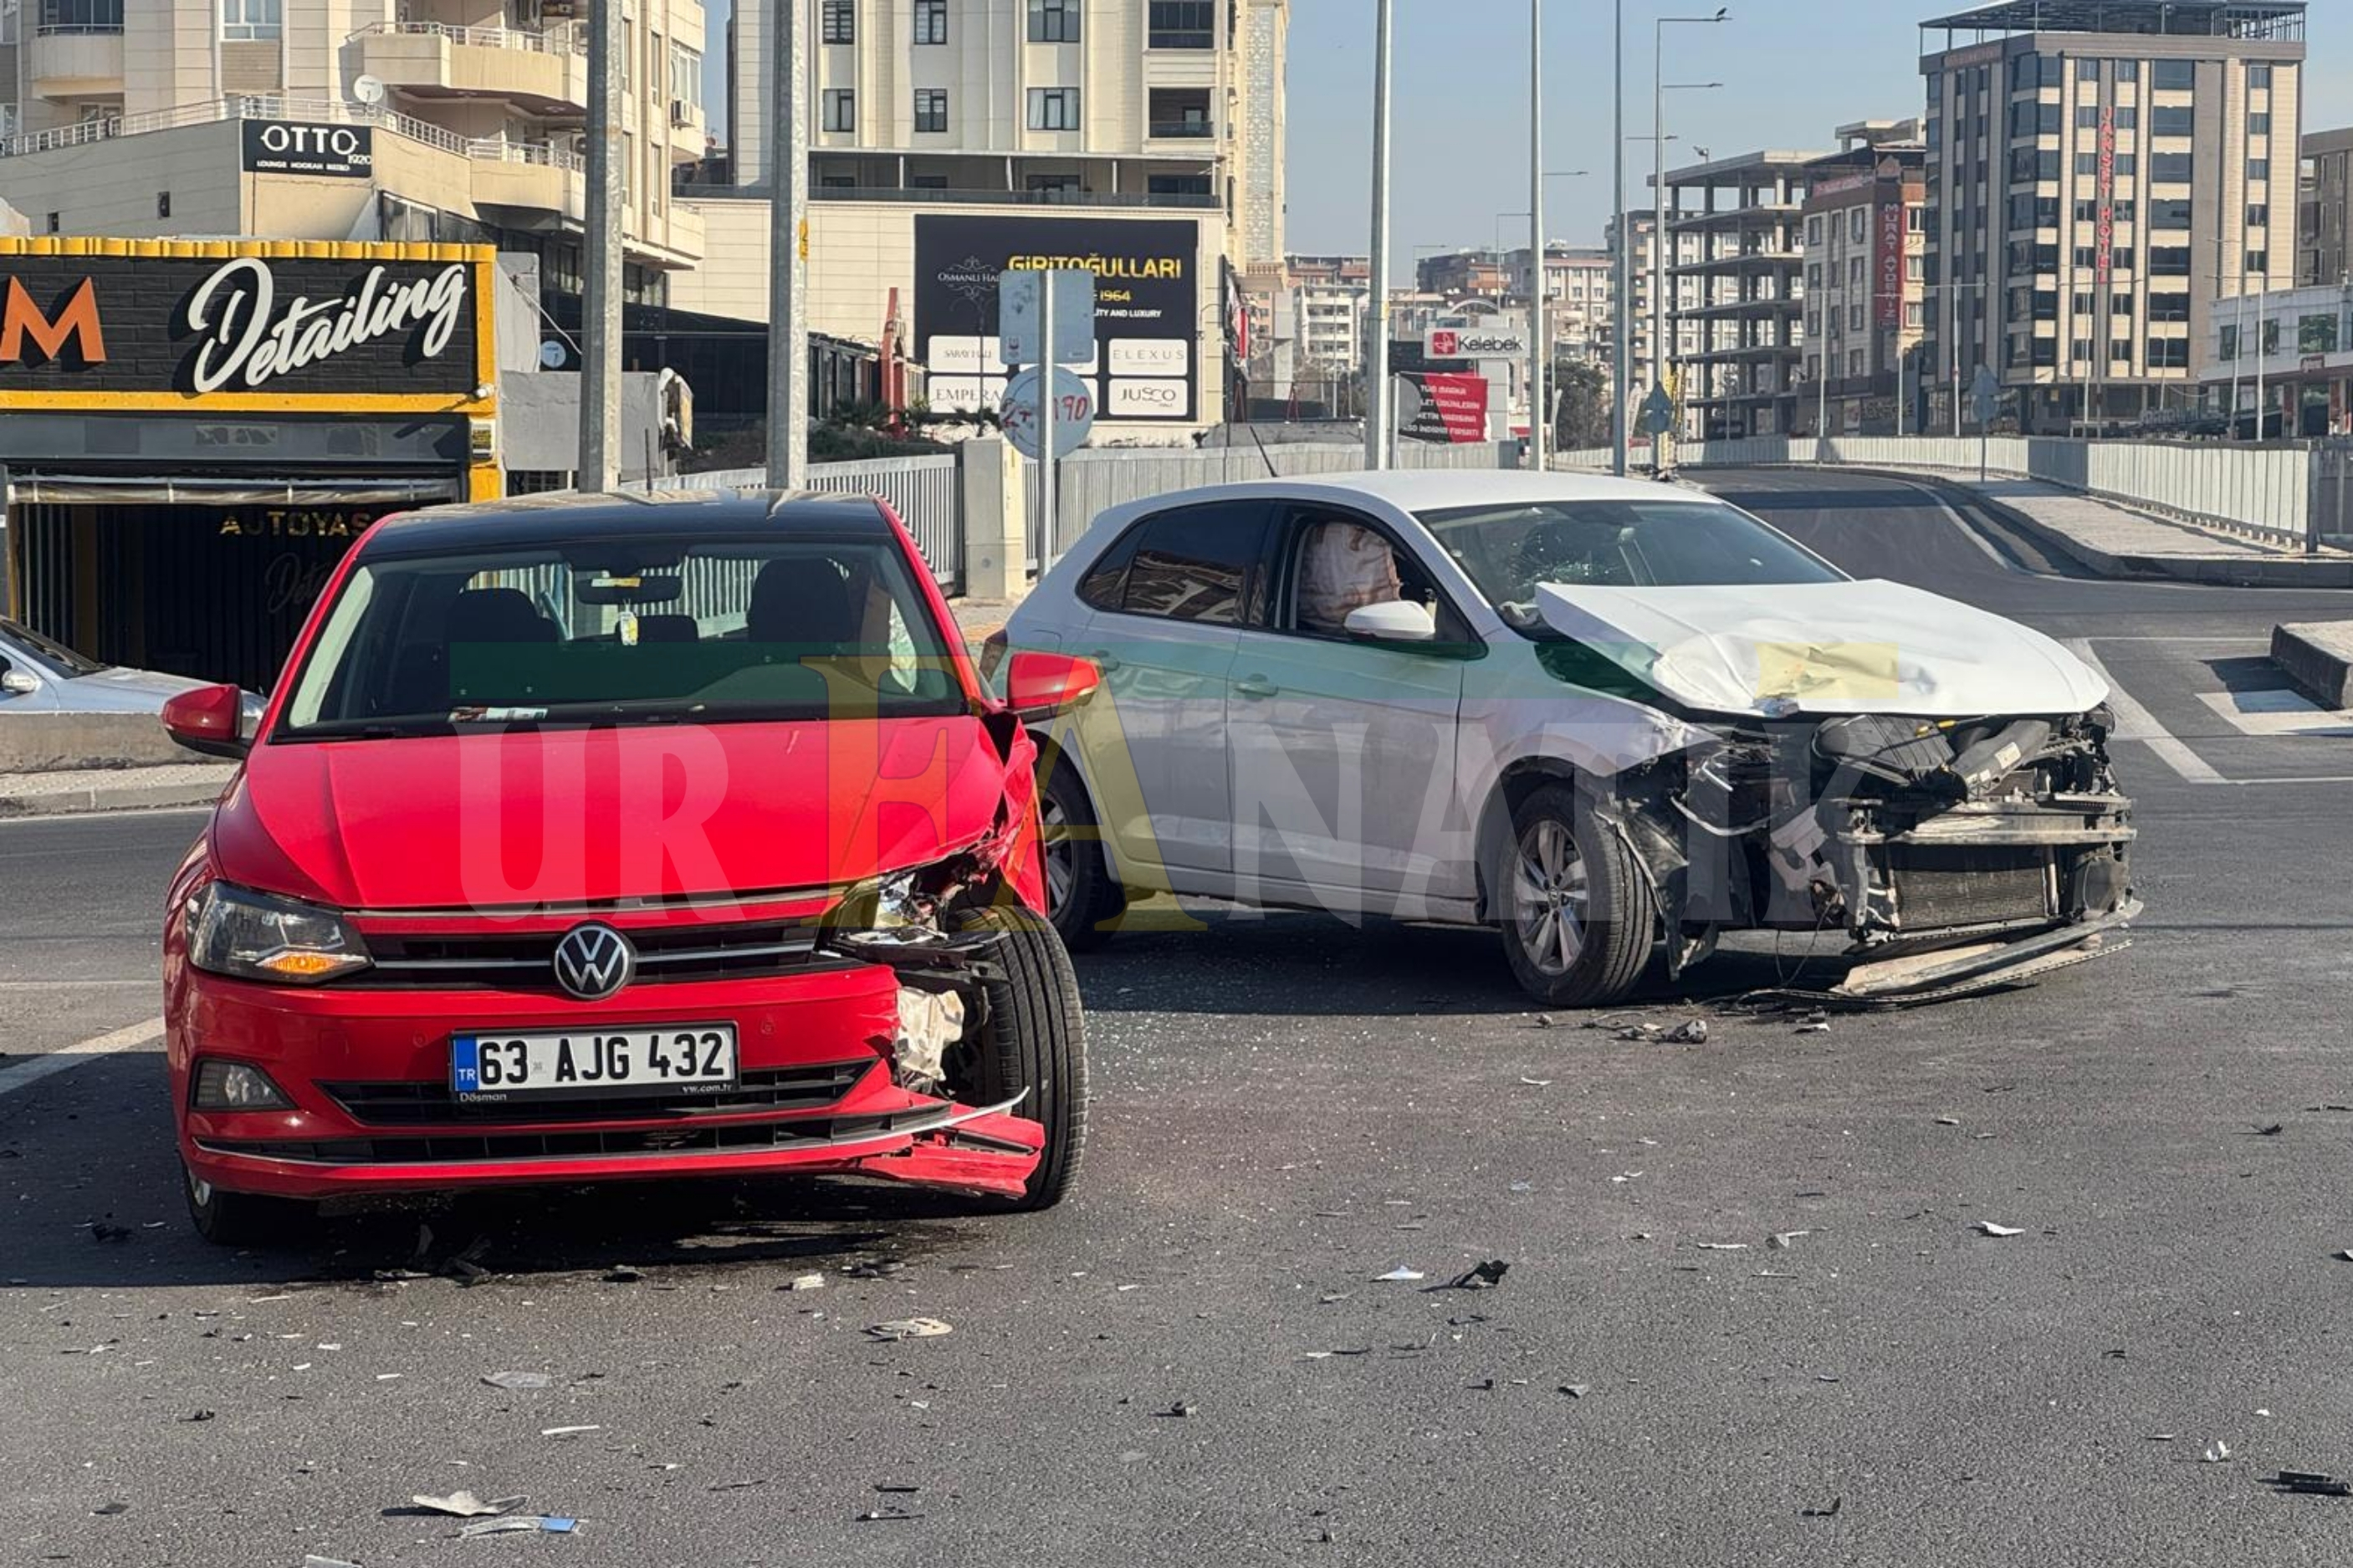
{"type": "Point", "coordinates": [2134, 722]}
{"type": "Point", "coordinates": [2277, 712]}
{"type": "Point", "coordinates": [1971, 534]}
{"type": "Point", "coordinates": [25, 1074]}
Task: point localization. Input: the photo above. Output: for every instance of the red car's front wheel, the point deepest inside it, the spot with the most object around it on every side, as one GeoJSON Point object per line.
{"type": "Point", "coordinates": [245, 1219]}
{"type": "Point", "coordinates": [1033, 1039]}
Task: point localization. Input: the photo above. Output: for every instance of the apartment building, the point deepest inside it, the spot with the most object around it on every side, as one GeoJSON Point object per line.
{"type": "Point", "coordinates": [2100, 172]}
{"type": "Point", "coordinates": [1464, 274]}
{"type": "Point", "coordinates": [1742, 218]}
{"type": "Point", "coordinates": [1639, 230]}
{"type": "Point", "coordinates": [953, 140]}
{"type": "Point", "coordinates": [420, 121]}
{"type": "Point", "coordinates": [1331, 296]}
{"type": "Point", "coordinates": [1865, 282]}
{"type": "Point", "coordinates": [1578, 291]}
{"type": "Point", "coordinates": [2324, 198]}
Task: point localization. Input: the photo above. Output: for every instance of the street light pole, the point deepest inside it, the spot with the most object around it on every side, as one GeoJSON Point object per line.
{"type": "Point", "coordinates": [600, 244]}
{"type": "Point", "coordinates": [1540, 333]}
{"type": "Point", "coordinates": [1622, 285]}
{"type": "Point", "coordinates": [1376, 377]}
{"type": "Point", "coordinates": [789, 408]}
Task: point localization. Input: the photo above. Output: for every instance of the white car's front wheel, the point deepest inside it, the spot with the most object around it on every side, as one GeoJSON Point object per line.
{"type": "Point", "coordinates": [1577, 916]}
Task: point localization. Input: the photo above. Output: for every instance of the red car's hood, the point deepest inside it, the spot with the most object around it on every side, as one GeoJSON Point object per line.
{"type": "Point", "coordinates": [561, 817]}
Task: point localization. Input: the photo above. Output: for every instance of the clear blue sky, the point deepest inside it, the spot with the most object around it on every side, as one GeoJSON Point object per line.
{"type": "Point", "coordinates": [1792, 70]}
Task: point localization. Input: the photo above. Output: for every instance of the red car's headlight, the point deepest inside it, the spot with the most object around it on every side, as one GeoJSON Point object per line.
{"type": "Point", "coordinates": [248, 935]}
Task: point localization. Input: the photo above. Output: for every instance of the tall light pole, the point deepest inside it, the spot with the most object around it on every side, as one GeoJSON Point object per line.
{"type": "Point", "coordinates": [789, 408]}
{"type": "Point", "coordinates": [1659, 87]}
{"type": "Point", "coordinates": [1621, 288]}
{"type": "Point", "coordinates": [1539, 337]}
{"type": "Point", "coordinates": [1376, 374]}
{"type": "Point", "coordinates": [600, 246]}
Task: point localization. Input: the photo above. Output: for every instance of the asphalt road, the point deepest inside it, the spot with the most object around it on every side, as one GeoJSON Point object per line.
{"type": "Point", "coordinates": [1288, 1108]}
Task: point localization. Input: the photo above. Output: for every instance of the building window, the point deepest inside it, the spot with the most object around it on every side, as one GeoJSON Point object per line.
{"type": "Point", "coordinates": [2259, 168]}
{"type": "Point", "coordinates": [2259, 124]}
{"type": "Point", "coordinates": [163, 209]}
{"type": "Point", "coordinates": [1053, 21]}
{"type": "Point", "coordinates": [2087, 211]}
{"type": "Point", "coordinates": [1914, 315]}
{"type": "Point", "coordinates": [1855, 271]}
{"type": "Point", "coordinates": [2259, 76]}
{"type": "Point", "coordinates": [2168, 353]}
{"type": "Point", "coordinates": [1182, 24]}
{"type": "Point", "coordinates": [2171, 168]}
{"type": "Point", "coordinates": [2259, 215]}
{"type": "Point", "coordinates": [1814, 230]}
{"type": "Point", "coordinates": [2169, 212]}
{"type": "Point", "coordinates": [2127, 117]}
{"type": "Point", "coordinates": [57, 223]}
{"type": "Point", "coordinates": [928, 182]}
{"type": "Point", "coordinates": [2173, 76]}
{"type": "Point", "coordinates": [1053, 109]}
{"type": "Point", "coordinates": [931, 108]}
{"type": "Point", "coordinates": [839, 21]}
{"type": "Point", "coordinates": [1854, 318]}
{"type": "Point", "coordinates": [840, 109]}
{"type": "Point", "coordinates": [2316, 335]}
{"type": "Point", "coordinates": [931, 21]}
{"type": "Point", "coordinates": [2126, 70]}
{"type": "Point", "coordinates": [1916, 220]}
{"type": "Point", "coordinates": [2121, 305]}
{"type": "Point", "coordinates": [251, 21]}
{"type": "Point", "coordinates": [2087, 117]}
{"type": "Point", "coordinates": [1859, 225]}
{"type": "Point", "coordinates": [2259, 262]}
{"type": "Point", "coordinates": [685, 76]}
{"type": "Point", "coordinates": [2229, 350]}
{"type": "Point", "coordinates": [1856, 364]}
{"type": "Point", "coordinates": [2120, 351]}
{"type": "Point", "coordinates": [2171, 120]}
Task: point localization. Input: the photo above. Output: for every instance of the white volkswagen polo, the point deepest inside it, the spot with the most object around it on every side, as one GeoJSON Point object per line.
{"type": "Point", "coordinates": [1614, 719]}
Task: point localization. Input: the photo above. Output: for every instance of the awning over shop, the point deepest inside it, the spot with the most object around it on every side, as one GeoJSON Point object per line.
{"type": "Point", "coordinates": [64, 490]}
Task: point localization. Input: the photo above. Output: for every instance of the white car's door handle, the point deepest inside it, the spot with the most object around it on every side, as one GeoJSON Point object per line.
{"type": "Point", "coordinates": [1103, 659]}
{"type": "Point", "coordinates": [1256, 686]}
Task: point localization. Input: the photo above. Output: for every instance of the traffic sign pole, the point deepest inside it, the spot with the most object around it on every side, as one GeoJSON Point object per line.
{"type": "Point", "coordinates": [1048, 362]}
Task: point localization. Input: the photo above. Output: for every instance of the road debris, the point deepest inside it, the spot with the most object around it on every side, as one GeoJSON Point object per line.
{"type": "Point", "coordinates": [2216, 1452]}
{"type": "Point", "coordinates": [887, 1515]}
{"type": "Point", "coordinates": [2271, 1130]}
{"type": "Point", "coordinates": [1816, 1022]}
{"type": "Point", "coordinates": [109, 1510]}
{"type": "Point", "coordinates": [1480, 1276]}
{"type": "Point", "coordinates": [803, 1282]}
{"type": "Point", "coordinates": [466, 1505]}
{"type": "Point", "coordinates": [1721, 1246]}
{"type": "Point", "coordinates": [1400, 1275]}
{"type": "Point", "coordinates": [1536, 1082]}
{"type": "Point", "coordinates": [2312, 1483]}
{"type": "Point", "coordinates": [1948, 1121]}
{"type": "Point", "coordinates": [514, 1523]}
{"type": "Point", "coordinates": [311, 1561]}
{"type": "Point", "coordinates": [518, 1380]}
{"type": "Point", "coordinates": [1544, 1020]}
{"type": "Point", "coordinates": [910, 1329]}
{"type": "Point", "coordinates": [1182, 1410]}
{"type": "Point", "coordinates": [1781, 1239]}
{"type": "Point", "coordinates": [1577, 1390]}
{"type": "Point", "coordinates": [566, 1431]}
{"type": "Point", "coordinates": [101, 1231]}
{"type": "Point", "coordinates": [1829, 1512]}
{"type": "Point", "coordinates": [874, 1268]}
{"type": "Point", "coordinates": [197, 1416]}
{"type": "Point", "coordinates": [1989, 1229]}
{"type": "Point", "coordinates": [624, 1273]}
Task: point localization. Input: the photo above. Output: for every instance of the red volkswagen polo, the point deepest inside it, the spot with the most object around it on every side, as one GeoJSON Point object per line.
{"type": "Point", "coordinates": [590, 838]}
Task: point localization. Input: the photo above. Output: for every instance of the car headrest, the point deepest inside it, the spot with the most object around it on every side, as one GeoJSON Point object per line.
{"type": "Point", "coordinates": [498, 615]}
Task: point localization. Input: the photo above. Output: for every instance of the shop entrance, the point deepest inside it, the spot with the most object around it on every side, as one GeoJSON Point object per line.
{"type": "Point", "coordinates": [215, 592]}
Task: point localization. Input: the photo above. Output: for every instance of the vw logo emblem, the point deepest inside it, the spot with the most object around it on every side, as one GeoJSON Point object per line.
{"type": "Point", "coordinates": [593, 960]}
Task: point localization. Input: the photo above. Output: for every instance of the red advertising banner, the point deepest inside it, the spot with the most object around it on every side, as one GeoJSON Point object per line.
{"type": "Point", "coordinates": [1443, 406]}
{"type": "Point", "coordinates": [2103, 262]}
{"type": "Point", "coordinates": [1891, 261]}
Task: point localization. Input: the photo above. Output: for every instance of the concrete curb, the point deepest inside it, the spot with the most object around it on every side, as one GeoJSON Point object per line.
{"type": "Point", "coordinates": [2221, 571]}
{"type": "Point", "coordinates": [126, 796]}
{"type": "Point", "coordinates": [2317, 658]}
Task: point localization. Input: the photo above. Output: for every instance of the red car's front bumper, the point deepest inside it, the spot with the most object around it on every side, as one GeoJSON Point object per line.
{"type": "Point", "coordinates": [369, 1070]}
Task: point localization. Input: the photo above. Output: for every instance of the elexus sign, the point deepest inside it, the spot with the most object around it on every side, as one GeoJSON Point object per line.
{"type": "Point", "coordinates": [286, 326]}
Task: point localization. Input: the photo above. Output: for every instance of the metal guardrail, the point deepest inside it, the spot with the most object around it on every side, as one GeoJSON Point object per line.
{"type": "Point", "coordinates": [489, 149]}
{"type": "Point", "coordinates": [992, 198]}
{"type": "Point", "coordinates": [563, 40]}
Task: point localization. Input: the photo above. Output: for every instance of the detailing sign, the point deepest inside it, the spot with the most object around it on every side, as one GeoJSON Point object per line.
{"type": "Point", "coordinates": [282, 147]}
{"type": "Point", "coordinates": [232, 322]}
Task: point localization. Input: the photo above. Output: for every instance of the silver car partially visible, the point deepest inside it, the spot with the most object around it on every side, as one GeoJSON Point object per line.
{"type": "Point", "coordinates": [38, 674]}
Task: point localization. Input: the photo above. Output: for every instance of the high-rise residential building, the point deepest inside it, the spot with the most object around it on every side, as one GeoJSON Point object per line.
{"type": "Point", "coordinates": [1643, 372]}
{"type": "Point", "coordinates": [2324, 199]}
{"type": "Point", "coordinates": [1864, 299]}
{"type": "Point", "coordinates": [1330, 296]}
{"type": "Point", "coordinates": [1085, 102]}
{"type": "Point", "coordinates": [1741, 216]}
{"type": "Point", "coordinates": [1579, 288]}
{"type": "Point", "coordinates": [2100, 174]}
{"type": "Point", "coordinates": [411, 119]}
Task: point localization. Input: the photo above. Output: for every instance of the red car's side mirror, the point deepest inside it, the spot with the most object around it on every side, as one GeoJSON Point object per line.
{"type": "Point", "coordinates": [210, 719]}
{"type": "Point", "coordinates": [1038, 684]}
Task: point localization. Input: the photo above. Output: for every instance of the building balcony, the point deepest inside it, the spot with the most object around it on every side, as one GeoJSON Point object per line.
{"type": "Point", "coordinates": [75, 61]}
{"type": "Point", "coordinates": [1180, 131]}
{"type": "Point", "coordinates": [542, 73]}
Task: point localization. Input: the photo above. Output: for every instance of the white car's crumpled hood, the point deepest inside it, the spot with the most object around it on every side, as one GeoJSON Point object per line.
{"type": "Point", "coordinates": [1872, 647]}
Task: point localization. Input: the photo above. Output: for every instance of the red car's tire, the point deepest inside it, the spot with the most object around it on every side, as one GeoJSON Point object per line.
{"type": "Point", "coordinates": [246, 1219]}
{"type": "Point", "coordinates": [1034, 1039]}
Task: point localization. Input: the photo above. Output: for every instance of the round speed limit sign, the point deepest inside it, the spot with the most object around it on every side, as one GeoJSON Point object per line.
{"type": "Point", "coordinates": [1074, 412]}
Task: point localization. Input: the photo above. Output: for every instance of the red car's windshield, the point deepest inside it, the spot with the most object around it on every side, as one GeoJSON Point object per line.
{"type": "Point", "coordinates": [697, 629]}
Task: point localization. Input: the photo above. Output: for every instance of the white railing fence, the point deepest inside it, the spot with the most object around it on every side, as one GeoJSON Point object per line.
{"type": "Point", "coordinates": [273, 106]}
{"type": "Point", "coordinates": [2274, 493]}
{"type": "Point", "coordinates": [923, 489]}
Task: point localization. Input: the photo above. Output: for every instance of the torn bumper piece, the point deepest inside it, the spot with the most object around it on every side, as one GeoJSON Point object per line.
{"type": "Point", "coordinates": [1942, 973]}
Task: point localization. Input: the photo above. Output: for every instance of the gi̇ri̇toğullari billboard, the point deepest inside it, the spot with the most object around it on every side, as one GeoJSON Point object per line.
{"type": "Point", "coordinates": [1147, 306]}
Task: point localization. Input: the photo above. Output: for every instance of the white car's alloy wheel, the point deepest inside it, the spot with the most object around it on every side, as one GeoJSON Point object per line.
{"type": "Point", "coordinates": [1549, 897]}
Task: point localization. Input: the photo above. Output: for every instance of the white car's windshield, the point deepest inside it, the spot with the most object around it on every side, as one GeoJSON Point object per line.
{"type": "Point", "coordinates": [1509, 551]}
{"type": "Point", "coordinates": [627, 631]}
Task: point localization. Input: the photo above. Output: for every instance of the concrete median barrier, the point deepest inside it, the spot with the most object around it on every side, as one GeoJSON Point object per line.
{"type": "Point", "coordinates": [2318, 658]}
{"type": "Point", "coordinates": [51, 742]}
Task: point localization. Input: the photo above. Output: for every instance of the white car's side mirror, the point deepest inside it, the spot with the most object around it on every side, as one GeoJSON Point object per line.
{"type": "Point", "coordinates": [1399, 620]}
{"type": "Point", "coordinates": [16, 683]}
